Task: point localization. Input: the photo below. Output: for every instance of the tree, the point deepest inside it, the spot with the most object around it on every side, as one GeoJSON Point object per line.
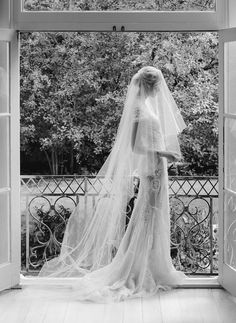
{"type": "Point", "coordinates": [73, 87]}
{"type": "Point", "coordinates": [119, 5]}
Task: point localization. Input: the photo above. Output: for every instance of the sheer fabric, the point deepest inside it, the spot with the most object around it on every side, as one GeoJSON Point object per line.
{"type": "Point", "coordinates": [110, 260]}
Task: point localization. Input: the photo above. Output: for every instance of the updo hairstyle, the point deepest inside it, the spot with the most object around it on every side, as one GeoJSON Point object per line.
{"type": "Point", "coordinates": [148, 78]}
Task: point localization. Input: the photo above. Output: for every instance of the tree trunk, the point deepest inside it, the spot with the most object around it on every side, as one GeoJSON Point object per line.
{"type": "Point", "coordinates": [54, 156]}
{"type": "Point", "coordinates": [71, 160]}
{"type": "Point", "coordinates": [49, 162]}
{"type": "Point", "coordinates": [56, 162]}
{"type": "Point", "coordinates": [53, 162]}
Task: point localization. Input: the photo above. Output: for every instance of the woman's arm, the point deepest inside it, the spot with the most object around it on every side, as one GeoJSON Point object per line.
{"type": "Point", "coordinates": [139, 149]}
{"type": "Point", "coordinates": [172, 157]}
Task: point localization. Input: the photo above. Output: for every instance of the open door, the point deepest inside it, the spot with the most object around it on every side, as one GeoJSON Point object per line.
{"type": "Point", "coordinates": [9, 161]}
{"type": "Point", "coordinates": [227, 207]}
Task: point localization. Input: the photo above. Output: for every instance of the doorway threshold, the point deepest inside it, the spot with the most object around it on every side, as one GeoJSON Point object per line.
{"type": "Point", "coordinates": [191, 282]}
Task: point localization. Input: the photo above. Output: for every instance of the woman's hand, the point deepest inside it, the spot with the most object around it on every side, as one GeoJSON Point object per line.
{"type": "Point", "coordinates": [171, 157]}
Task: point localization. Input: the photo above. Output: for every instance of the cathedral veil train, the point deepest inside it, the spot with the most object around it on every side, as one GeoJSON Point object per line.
{"type": "Point", "coordinates": [109, 258]}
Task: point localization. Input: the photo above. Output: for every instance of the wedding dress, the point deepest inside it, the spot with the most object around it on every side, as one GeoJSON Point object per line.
{"type": "Point", "coordinates": [110, 259]}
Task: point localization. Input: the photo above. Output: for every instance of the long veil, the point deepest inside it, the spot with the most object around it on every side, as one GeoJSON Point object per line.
{"type": "Point", "coordinates": [91, 239]}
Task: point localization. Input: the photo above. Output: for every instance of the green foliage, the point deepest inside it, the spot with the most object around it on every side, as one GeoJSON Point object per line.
{"type": "Point", "coordinates": [73, 87]}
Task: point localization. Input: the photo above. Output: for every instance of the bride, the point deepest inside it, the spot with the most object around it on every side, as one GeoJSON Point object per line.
{"type": "Point", "coordinates": [110, 259]}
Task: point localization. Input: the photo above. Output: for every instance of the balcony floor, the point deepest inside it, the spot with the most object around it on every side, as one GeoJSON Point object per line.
{"type": "Point", "coordinates": [34, 304]}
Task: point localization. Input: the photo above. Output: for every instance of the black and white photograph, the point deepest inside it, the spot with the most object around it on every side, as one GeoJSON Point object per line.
{"type": "Point", "coordinates": [117, 161]}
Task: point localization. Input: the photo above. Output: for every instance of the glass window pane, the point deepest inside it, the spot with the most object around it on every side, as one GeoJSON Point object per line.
{"type": "Point", "coordinates": [4, 66]}
{"type": "Point", "coordinates": [230, 229]}
{"type": "Point", "coordinates": [125, 5]}
{"type": "Point", "coordinates": [4, 225]}
{"type": "Point", "coordinates": [230, 77]}
{"type": "Point", "coordinates": [4, 152]}
{"type": "Point", "coordinates": [230, 154]}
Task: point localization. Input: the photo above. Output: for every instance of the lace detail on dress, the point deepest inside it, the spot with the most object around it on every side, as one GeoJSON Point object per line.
{"type": "Point", "coordinates": [155, 181]}
{"type": "Point", "coordinates": [152, 195]}
{"type": "Point", "coordinates": [137, 113]}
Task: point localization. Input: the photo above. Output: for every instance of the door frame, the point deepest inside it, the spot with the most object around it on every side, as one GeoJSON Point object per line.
{"type": "Point", "coordinates": [132, 20]}
{"type": "Point", "coordinates": [104, 21]}
{"type": "Point", "coordinates": [11, 270]}
{"type": "Point", "coordinates": [227, 275]}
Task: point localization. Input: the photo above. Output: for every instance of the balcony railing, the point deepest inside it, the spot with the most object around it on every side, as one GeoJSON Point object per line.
{"type": "Point", "coordinates": [47, 202]}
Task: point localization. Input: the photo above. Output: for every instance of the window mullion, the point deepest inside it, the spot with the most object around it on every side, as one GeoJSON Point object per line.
{"type": "Point", "coordinates": [131, 20]}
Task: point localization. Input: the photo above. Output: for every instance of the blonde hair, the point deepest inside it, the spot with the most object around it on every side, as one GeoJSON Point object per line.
{"type": "Point", "coordinates": [148, 78]}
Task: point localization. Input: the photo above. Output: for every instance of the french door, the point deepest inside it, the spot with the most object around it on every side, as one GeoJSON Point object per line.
{"type": "Point", "coordinates": [227, 212]}
{"type": "Point", "coordinates": [9, 161]}
{"type": "Point", "coordinates": [9, 115]}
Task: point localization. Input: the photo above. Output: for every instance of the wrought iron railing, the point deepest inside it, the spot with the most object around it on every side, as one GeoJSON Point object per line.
{"type": "Point", "coordinates": [47, 202]}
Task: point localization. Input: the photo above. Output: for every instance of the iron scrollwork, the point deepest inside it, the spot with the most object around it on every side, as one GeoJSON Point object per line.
{"type": "Point", "coordinates": [50, 202]}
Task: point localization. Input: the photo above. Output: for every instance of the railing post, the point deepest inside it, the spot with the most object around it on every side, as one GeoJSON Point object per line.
{"type": "Point", "coordinates": [211, 235]}
{"type": "Point", "coordinates": [76, 199]}
{"type": "Point", "coordinates": [27, 235]}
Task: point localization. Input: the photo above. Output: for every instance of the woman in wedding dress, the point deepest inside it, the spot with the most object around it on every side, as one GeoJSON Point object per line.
{"type": "Point", "coordinates": [110, 259]}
